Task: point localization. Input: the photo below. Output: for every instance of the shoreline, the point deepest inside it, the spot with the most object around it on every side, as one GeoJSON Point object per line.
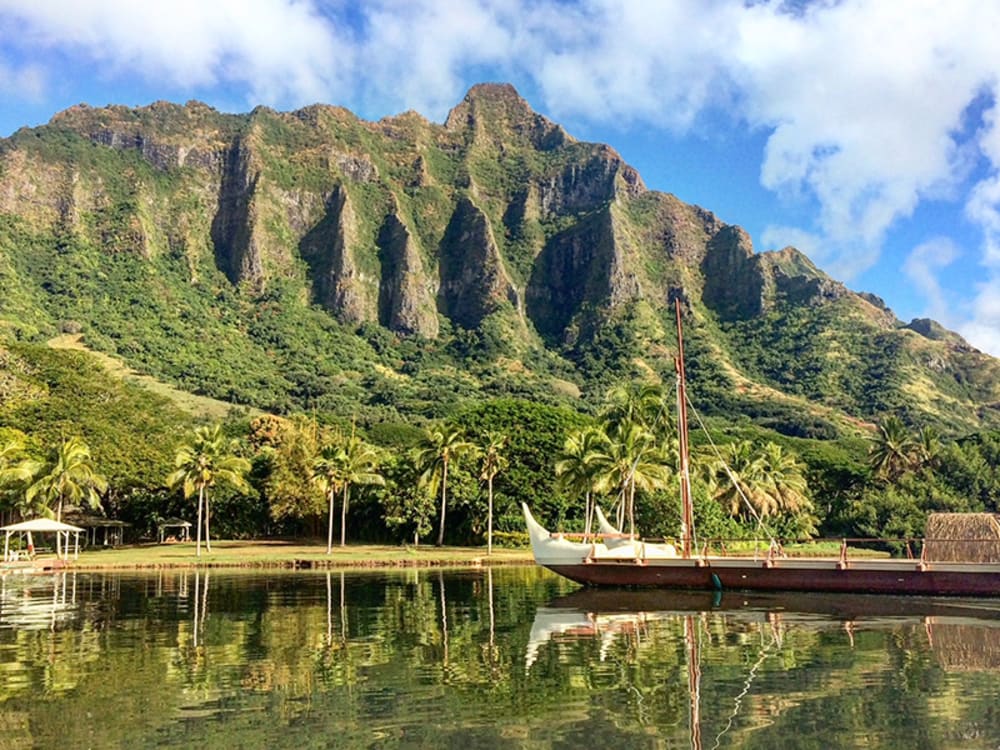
{"type": "Point", "coordinates": [279, 555]}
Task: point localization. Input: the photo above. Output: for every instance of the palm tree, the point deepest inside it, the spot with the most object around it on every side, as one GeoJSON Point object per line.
{"type": "Point", "coordinates": [928, 447]}
{"type": "Point", "coordinates": [740, 473]}
{"type": "Point", "coordinates": [203, 463]}
{"type": "Point", "coordinates": [636, 462]}
{"type": "Point", "coordinates": [493, 463]}
{"type": "Point", "coordinates": [16, 470]}
{"type": "Point", "coordinates": [70, 478]}
{"type": "Point", "coordinates": [328, 474]}
{"type": "Point", "coordinates": [786, 477]}
{"type": "Point", "coordinates": [756, 483]}
{"type": "Point", "coordinates": [14, 467]}
{"type": "Point", "coordinates": [442, 445]}
{"type": "Point", "coordinates": [892, 449]}
{"type": "Point", "coordinates": [580, 465]}
{"type": "Point", "coordinates": [638, 403]}
{"type": "Point", "coordinates": [360, 464]}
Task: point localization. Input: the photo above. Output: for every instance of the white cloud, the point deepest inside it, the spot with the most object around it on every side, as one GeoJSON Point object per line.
{"type": "Point", "coordinates": [27, 82]}
{"type": "Point", "coordinates": [415, 53]}
{"type": "Point", "coordinates": [983, 329]}
{"type": "Point", "coordinates": [922, 268]}
{"type": "Point", "coordinates": [278, 50]}
{"type": "Point", "coordinates": [777, 237]}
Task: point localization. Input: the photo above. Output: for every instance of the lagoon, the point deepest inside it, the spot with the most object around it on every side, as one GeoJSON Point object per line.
{"type": "Point", "coordinates": [510, 657]}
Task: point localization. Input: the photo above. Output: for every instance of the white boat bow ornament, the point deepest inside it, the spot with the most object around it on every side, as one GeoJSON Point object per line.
{"type": "Point", "coordinates": [554, 549]}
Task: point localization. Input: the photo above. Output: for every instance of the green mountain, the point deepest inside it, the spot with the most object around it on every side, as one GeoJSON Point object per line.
{"type": "Point", "coordinates": [397, 269]}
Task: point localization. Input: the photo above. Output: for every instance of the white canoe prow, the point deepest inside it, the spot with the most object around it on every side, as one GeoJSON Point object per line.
{"type": "Point", "coordinates": [614, 539]}
{"type": "Point", "coordinates": [553, 549]}
{"type": "Point", "coordinates": [603, 524]}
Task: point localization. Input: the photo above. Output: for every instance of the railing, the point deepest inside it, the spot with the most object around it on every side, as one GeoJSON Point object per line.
{"type": "Point", "coordinates": [842, 548]}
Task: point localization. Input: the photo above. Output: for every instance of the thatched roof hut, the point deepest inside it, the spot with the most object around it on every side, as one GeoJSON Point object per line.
{"type": "Point", "coordinates": [962, 537]}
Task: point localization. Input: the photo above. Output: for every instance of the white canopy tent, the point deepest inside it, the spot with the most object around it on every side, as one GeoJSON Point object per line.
{"type": "Point", "coordinates": [41, 526]}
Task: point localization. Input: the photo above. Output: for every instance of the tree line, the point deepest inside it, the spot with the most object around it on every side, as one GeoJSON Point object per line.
{"type": "Point", "coordinates": [294, 477]}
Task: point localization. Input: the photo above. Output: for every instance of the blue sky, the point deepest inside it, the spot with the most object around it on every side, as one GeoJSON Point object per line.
{"type": "Point", "coordinates": [864, 132]}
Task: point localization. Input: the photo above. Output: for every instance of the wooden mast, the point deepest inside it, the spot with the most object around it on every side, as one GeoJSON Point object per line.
{"type": "Point", "coordinates": [687, 513]}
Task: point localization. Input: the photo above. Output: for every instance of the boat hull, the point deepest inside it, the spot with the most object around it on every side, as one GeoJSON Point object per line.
{"type": "Point", "coordinates": [597, 564]}
{"type": "Point", "coordinates": [871, 577]}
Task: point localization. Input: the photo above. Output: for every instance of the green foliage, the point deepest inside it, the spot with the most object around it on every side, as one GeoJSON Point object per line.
{"type": "Point", "coordinates": [208, 460]}
{"type": "Point", "coordinates": [283, 466]}
{"type": "Point", "coordinates": [408, 506]}
{"type": "Point", "coordinates": [131, 432]}
{"type": "Point", "coordinates": [536, 434]}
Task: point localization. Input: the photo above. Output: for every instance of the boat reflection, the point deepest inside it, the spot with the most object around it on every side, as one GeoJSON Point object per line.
{"type": "Point", "coordinates": [961, 635]}
{"type": "Point", "coordinates": [962, 632]}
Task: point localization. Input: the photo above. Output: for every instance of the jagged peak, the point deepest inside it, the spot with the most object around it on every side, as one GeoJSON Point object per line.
{"type": "Point", "coordinates": [317, 114]}
{"type": "Point", "coordinates": [505, 109]}
{"type": "Point", "coordinates": [497, 92]}
{"type": "Point", "coordinates": [792, 262]}
{"type": "Point", "coordinates": [409, 116]}
{"type": "Point", "coordinates": [151, 122]}
{"type": "Point", "coordinates": [493, 99]}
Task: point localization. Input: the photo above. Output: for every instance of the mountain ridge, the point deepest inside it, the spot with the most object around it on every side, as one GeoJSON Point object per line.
{"type": "Point", "coordinates": [493, 237]}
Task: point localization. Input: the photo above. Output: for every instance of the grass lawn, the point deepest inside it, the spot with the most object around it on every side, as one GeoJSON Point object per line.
{"type": "Point", "coordinates": [227, 553]}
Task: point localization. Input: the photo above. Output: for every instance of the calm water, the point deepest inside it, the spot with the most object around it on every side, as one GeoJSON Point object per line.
{"type": "Point", "coordinates": [509, 658]}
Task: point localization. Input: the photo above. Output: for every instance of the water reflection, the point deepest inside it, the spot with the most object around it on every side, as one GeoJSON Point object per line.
{"type": "Point", "coordinates": [961, 635]}
{"type": "Point", "coordinates": [38, 602]}
{"type": "Point", "coordinates": [510, 657]}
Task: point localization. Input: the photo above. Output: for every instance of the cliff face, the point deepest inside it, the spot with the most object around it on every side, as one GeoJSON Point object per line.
{"type": "Point", "coordinates": [496, 215]}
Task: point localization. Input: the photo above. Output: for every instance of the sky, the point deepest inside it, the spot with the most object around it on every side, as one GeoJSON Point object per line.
{"type": "Point", "coordinates": [866, 133]}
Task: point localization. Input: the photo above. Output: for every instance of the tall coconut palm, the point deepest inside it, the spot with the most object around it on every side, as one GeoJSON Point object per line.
{"type": "Point", "coordinates": [636, 462]}
{"type": "Point", "coordinates": [71, 477]}
{"type": "Point", "coordinates": [892, 449]}
{"type": "Point", "coordinates": [638, 403]}
{"type": "Point", "coordinates": [360, 466]}
{"type": "Point", "coordinates": [785, 476]}
{"type": "Point", "coordinates": [328, 474]}
{"type": "Point", "coordinates": [203, 463]}
{"type": "Point", "coordinates": [493, 462]}
{"type": "Point", "coordinates": [442, 445]}
{"type": "Point", "coordinates": [581, 467]}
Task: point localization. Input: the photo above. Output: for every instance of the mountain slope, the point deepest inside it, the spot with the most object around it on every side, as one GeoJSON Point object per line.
{"type": "Point", "coordinates": [312, 260]}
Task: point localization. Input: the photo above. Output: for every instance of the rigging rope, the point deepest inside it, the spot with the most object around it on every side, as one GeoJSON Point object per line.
{"type": "Point", "coordinates": [729, 473]}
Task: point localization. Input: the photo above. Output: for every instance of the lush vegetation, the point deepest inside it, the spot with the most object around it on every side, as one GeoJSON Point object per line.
{"type": "Point", "coordinates": [74, 435]}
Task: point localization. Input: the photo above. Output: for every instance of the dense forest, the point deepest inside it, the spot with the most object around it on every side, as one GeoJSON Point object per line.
{"type": "Point", "coordinates": [292, 475]}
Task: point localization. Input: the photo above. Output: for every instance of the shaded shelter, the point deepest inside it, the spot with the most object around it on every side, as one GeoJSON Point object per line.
{"type": "Point", "coordinates": [184, 528]}
{"type": "Point", "coordinates": [99, 530]}
{"type": "Point", "coordinates": [42, 526]}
